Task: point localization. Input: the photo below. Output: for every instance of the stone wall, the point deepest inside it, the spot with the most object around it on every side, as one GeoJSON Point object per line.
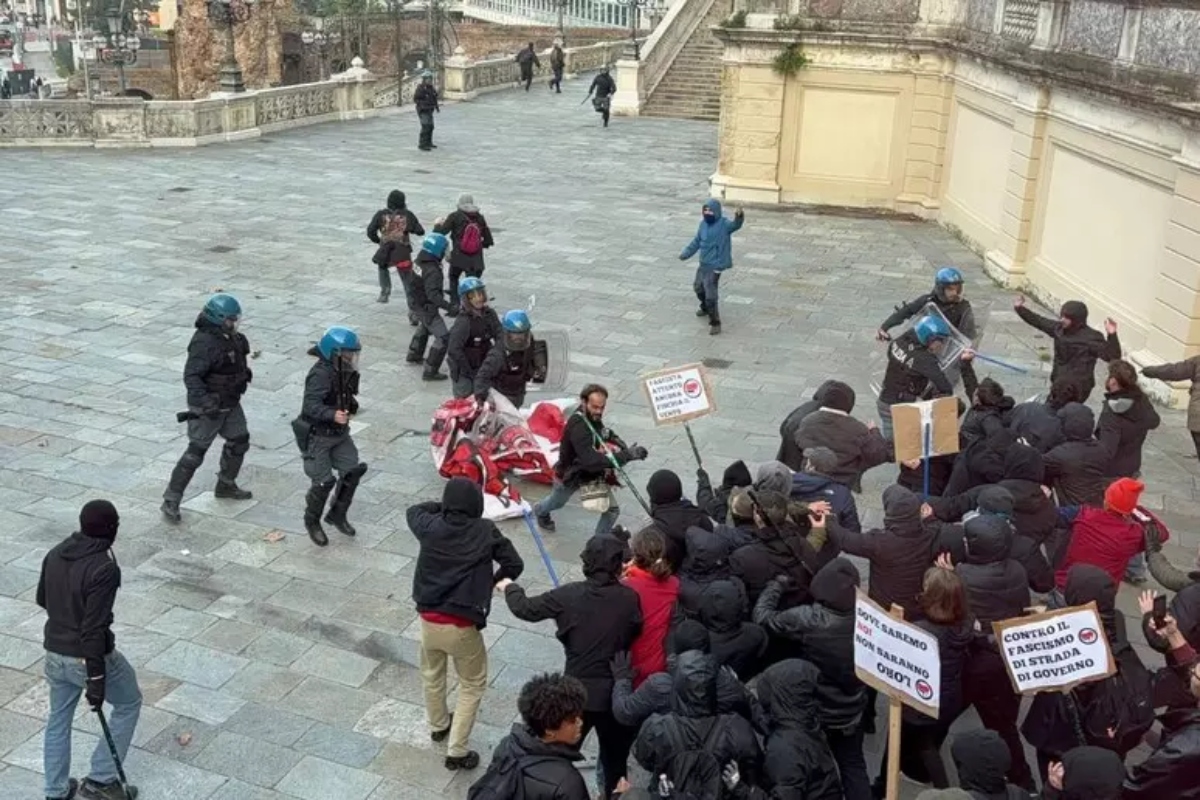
{"type": "Point", "coordinates": [200, 46]}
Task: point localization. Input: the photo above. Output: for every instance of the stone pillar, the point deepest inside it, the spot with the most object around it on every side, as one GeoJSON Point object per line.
{"type": "Point", "coordinates": [752, 102]}
{"type": "Point", "coordinates": [926, 153]}
{"type": "Point", "coordinates": [458, 85]}
{"type": "Point", "coordinates": [355, 91]}
{"type": "Point", "coordinates": [1175, 330]}
{"type": "Point", "coordinates": [1006, 263]}
{"type": "Point", "coordinates": [627, 102]}
{"type": "Point", "coordinates": [119, 122]}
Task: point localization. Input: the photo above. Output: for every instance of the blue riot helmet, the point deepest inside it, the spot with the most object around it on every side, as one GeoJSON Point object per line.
{"type": "Point", "coordinates": [435, 244]}
{"type": "Point", "coordinates": [427, 75]}
{"type": "Point", "coordinates": [947, 285]}
{"type": "Point", "coordinates": [223, 310]}
{"type": "Point", "coordinates": [340, 341]}
{"type": "Point", "coordinates": [472, 292]}
{"type": "Point", "coordinates": [931, 329]}
{"type": "Point", "coordinates": [518, 330]}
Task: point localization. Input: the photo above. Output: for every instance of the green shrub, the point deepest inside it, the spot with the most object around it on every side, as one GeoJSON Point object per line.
{"type": "Point", "coordinates": [790, 60]}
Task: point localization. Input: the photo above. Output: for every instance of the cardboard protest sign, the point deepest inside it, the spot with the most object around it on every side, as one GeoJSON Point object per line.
{"type": "Point", "coordinates": [896, 657]}
{"type": "Point", "coordinates": [1055, 650]}
{"type": "Point", "coordinates": [908, 423]}
{"type": "Point", "coordinates": [678, 394]}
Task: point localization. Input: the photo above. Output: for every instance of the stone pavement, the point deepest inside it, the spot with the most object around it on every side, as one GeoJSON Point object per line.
{"type": "Point", "coordinates": [272, 669]}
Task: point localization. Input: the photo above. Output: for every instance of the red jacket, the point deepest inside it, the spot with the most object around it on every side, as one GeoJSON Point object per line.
{"type": "Point", "coordinates": [1106, 540]}
{"type": "Point", "coordinates": [657, 599]}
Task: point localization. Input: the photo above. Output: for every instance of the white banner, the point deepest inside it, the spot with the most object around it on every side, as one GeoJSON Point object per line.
{"type": "Point", "coordinates": [896, 657]}
{"type": "Point", "coordinates": [679, 394]}
{"type": "Point", "coordinates": [1055, 650]}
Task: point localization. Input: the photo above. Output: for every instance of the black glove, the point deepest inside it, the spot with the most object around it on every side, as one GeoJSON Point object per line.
{"type": "Point", "coordinates": [702, 477]}
{"type": "Point", "coordinates": [621, 533]}
{"type": "Point", "coordinates": [211, 407]}
{"type": "Point", "coordinates": [623, 457]}
{"type": "Point", "coordinates": [638, 453]}
{"type": "Point", "coordinates": [622, 666]}
{"type": "Point", "coordinates": [94, 693]}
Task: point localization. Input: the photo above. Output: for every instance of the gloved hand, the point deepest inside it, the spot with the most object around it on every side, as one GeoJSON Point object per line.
{"type": "Point", "coordinates": [211, 407]}
{"type": "Point", "coordinates": [622, 666]}
{"type": "Point", "coordinates": [621, 533]}
{"type": "Point", "coordinates": [94, 692]}
{"type": "Point", "coordinates": [702, 477]}
{"type": "Point", "coordinates": [637, 452]}
{"type": "Point", "coordinates": [730, 776]}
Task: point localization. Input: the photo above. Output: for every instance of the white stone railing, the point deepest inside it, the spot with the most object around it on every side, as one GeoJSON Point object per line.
{"type": "Point", "coordinates": [576, 13]}
{"type": "Point", "coordinates": [133, 122]}
{"type": "Point", "coordinates": [392, 93]}
{"type": "Point", "coordinates": [466, 79]}
{"type": "Point", "coordinates": [636, 79]}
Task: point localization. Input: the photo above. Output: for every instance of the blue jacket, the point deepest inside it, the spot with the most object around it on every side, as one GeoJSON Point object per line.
{"type": "Point", "coordinates": [807, 487]}
{"type": "Point", "coordinates": [713, 241]}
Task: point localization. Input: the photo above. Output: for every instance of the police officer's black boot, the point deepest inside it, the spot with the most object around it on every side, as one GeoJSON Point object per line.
{"type": "Point", "coordinates": [416, 348]}
{"type": "Point", "coordinates": [314, 505]}
{"type": "Point", "coordinates": [181, 476]}
{"type": "Point", "coordinates": [342, 498]}
{"type": "Point", "coordinates": [433, 364]}
{"type": "Point", "coordinates": [232, 455]}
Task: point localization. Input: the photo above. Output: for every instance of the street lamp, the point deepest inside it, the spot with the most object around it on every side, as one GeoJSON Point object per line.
{"type": "Point", "coordinates": [319, 40]}
{"type": "Point", "coordinates": [635, 8]}
{"type": "Point", "coordinates": [230, 12]}
{"type": "Point", "coordinates": [80, 53]}
{"type": "Point", "coordinates": [118, 46]}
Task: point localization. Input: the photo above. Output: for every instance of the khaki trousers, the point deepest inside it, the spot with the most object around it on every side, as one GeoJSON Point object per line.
{"type": "Point", "coordinates": [465, 646]}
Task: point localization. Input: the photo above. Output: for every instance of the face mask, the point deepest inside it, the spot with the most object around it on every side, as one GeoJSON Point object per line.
{"type": "Point", "coordinates": [709, 218]}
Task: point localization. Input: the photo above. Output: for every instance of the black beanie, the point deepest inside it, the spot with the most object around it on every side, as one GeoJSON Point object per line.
{"type": "Point", "coordinates": [99, 519]}
{"type": "Point", "coordinates": [838, 396]}
{"type": "Point", "coordinates": [835, 583]}
{"type": "Point", "coordinates": [737, 474]}
{"type": "Point", "coordinates": [464, 496]}
{"type": "Point", "coordinates": [691, 635]}
{"type": "Point", "coordinates": [664, 487]}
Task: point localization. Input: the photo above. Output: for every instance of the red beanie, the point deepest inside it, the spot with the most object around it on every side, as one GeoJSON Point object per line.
{"type": "Point", "coordinates": [1122, 495]}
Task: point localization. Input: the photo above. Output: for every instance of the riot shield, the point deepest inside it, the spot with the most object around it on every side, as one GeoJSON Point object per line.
{"type": "Point", "coordinates": [558, 362]}
{"type": "Point", "coordinates": [949, 358]}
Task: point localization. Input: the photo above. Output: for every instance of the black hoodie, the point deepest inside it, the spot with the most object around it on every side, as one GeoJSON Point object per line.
{"type": "Point", "coordinates": [998, 501]}
{"type": "Point", "coordinates": [1076, 348]}
{"type": "Point", "coordinates": [389, 253]}
{"type": "Point", "coordinates": [798, 762]}
{"type": "Point", "coordinates": [548, 771]}
{"type": "Point", "coordinates": [454, 573]}
{"type": "Point", "coordinates": [216, 373]}
{"type": "Point", "coordinates": [1092, 773]}
{"type": "Point", "coordinates": [589, 639]}
{"type": "Point", "coordinates": [1033, 513]}
{"type": "Point", "coordinates": [899, 554]}
{"type": "Point", "coordinates": [735, 642]}
{"type": "Point", "coordinates": [775, 552]}
{"type": "Point", "coordinates": [705, 568]}
{"type": "Point", "coordinates": [1037, 423]}
{"type": "Point", "coordinates": [673, 515]}
{"type": "Point", "coordinates": [715, 502]}
{"type": "Point", "coordinates": [789, 452]}
{"type": "Point", "coordinates": [982, 760]}
{"type": "Point", "coordinates": [1076, 469]}
{"type": "Point", "coordinates": [695, 724]}
{"type": "Point", "coordinates": [997, 586]}
{"type": "Point", "coordinates": [1171, 770]}
{"type": "Point", "coordinates": [1125, 419]}
{"type": "Point", "coordinates": [77, 587]}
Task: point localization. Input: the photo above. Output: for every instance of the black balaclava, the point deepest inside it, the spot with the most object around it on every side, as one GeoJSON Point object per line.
{"type": "Point", "coordinates": [98, 519]}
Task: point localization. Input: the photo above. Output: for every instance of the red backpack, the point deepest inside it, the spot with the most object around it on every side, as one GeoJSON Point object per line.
{"type": "Point", "coordinates": [471, 241]}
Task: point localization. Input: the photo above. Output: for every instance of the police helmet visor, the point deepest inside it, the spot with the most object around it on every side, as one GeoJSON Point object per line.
{"type": "Point", "coordinates": [936, 344]}
{"type": "Point", "coordinates": [349, 358]}
{"type": "Point", "coordinates": [477, 298]}
{"type": "Point", "coordinates": [231, 323]}
{"type": "Point", "coordinates": [951, 292]}
{"type": "Point", "coordinates": [518, 340]}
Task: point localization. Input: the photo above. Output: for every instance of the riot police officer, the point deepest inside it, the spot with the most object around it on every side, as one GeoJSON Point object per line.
{"type": "Point", "coordinates": [216, 376]}
{"type": "Point", "coordinates": [517, 359]}
{"type": "Point", "coordinates": [472, 337]}
{"type": "Point", "coordinates": [423, 287]}
{"type": "Point", "coordinates": [947, 295]}
{"type": "Point", "coordinates": [913, 370]}
{"type": "Point", "coordinates": [323, 431]}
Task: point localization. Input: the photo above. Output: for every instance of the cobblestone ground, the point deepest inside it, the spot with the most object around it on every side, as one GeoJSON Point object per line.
{"type": "Point", "coordinates": [273, 669]}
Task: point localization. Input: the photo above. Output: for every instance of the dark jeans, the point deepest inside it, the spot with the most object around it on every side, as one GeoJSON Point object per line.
{"type": "Point", "coordinates": [986, 685]}
{"type": "Point", "coordinates": [615, 741]}
{"type": "Point", "coordinates": [707, 285]}
{"type": "Point", "coordinates": [426, 137]}
{"type": "Point", "coordinates": [527, 77]}
{"type": "Point", "coordinates": [603, 105]}
{"type": "Point", "coordinates": [556, 80]}
{"type": "Point", "coordinates": [847, 747]}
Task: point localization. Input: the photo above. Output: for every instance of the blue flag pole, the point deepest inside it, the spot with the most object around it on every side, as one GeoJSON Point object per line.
{"type": "Point", "coordinates": [541, 546]}
{"type": "Point", "coordinates": [1000, 363]}
{"type": "Point", "coordinates": [927, 426]}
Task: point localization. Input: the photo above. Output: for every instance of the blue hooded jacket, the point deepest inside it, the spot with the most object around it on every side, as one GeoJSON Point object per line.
{"type": "Point", "coordinates": [713, 241]}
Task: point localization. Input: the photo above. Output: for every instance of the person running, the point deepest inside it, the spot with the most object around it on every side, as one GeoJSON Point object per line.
{"type": "Point", "coordinates": [604, 87]}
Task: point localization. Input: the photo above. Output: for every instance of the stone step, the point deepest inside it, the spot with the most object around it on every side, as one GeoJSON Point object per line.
{"type": "Point", "coordinates": [686, 99]}
{"type": "Point", "coordinates": [692, 92]}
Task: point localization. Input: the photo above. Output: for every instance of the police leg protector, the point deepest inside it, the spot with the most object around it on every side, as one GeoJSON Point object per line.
{"type": "Point", "coordinates": [186, 467]}
{"type": "Point", "coordinates": [314, 502]}
{"type": "Point", "coordinates": [342, 499]}
{"type": "Point", "coordinates": [416, 348]}
{"type": "Point", "coordinates": [232, 456]}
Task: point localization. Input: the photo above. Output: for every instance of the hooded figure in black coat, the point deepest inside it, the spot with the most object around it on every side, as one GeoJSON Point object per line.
{"type": "Point", "coordinates": [982, 760]}
{"type": "Point", "coordinates": [779, 548]}
{"type": "Point", "coordinates": [1033, 514]}
{"type": "Point", "coordinates": [1076, 469]}
{"type": "Point", "coordinates": [673, 515]}
{"type": "Point", "coordinates": [998, 501]}
{"type": "Point", "coordinates": [1077, 347]}
{"type": "Point", "coordinates": [736, 643]}
{"type": "Point", "coordinates": [1090, 773]}
{"type": "Point", "coordinates": [715, 502]}
{"type": "Point", "coordinates": [1125, 419]}
{"type": "Point", "coordinates": [694, 723]}
{"type": "Point", "coordinates": [789, 452]}
{"type": "Point", "coordinates": [706, 567]}
{"type": "Point", "coordinates": [798, 764]}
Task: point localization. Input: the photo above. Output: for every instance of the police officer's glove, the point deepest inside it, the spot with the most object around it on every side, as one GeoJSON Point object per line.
{"type": "Point", "coordinates": [94, 693]}
{"type": "Point", "coordinates": [622, 666]}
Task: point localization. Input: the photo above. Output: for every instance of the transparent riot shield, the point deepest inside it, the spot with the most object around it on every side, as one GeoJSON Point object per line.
{"type": "Point", "coordinates": [558, 362]}
{"type": "Point", "coordinates": [950, 357]}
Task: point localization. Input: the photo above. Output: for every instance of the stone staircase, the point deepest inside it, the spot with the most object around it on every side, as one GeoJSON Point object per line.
{"type": "Point", "coordinates": [691, 89]}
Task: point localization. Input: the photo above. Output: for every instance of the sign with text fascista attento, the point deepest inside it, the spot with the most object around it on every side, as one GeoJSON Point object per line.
{"type": "Point", "coordinates": [678, 394]}
{"type": "Point", "coordinates": [896, 657]}
{"type": "Point", "coordinates": [1055, 651]}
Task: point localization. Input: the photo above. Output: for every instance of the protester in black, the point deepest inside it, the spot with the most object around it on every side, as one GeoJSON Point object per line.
{"type": "Point", "coordinates": [789, 452]}
{"type": "Point", "coordinates": [857, 446]}
{"type": "Point", "coordinates": [705, 570]}
{"type": "Point", "coordinates": [1077, 468]}
{"type": "Point", "coordinates": [715, 502]}
{"type": "Point", "coordinates": [797, 762]}
{"type": "Point", "coordinates": [1125, 419]}
{"type": "Point", "coordinates": [527, 60]}
{"type": "Point", "coordinates": [1077, 347]}
{"type": "Point", "coordinates": [1037, 422]}
{"type": "Point", "coordinates": [468, 229]}
{"type": "Point", "coordinates": [982, 759]}
{"type": "Point", "coordinates": [823, 633]}
{"type": "Point", "coordinates": [736, 643]}
{"type": "Point", "coordinates": [672, 514]}
{"type": "Point", "coordinates": [1086, 773]}
{"type": "Point", "coordinates": [544, 746]}
{"type": "Point", "coordinates": [591, 639]}
{"type": "Point", "coordinates": [604, 87]}
{"type": "Point", "coordinates": [391, 228]}
{"type": "Point", "coordinates": [425, 98]}
{"type": "Point", "coordinates": [779, 549]}
{"type": "Point", "coordinates": [1170, 771]}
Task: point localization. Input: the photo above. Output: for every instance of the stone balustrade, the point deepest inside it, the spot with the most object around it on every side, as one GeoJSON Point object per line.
{"type": "Point", "coordinates": [576, 13]}
{"type": "Point", "coordinates": [637, 77]}
{"type": "Point", "coordinates": [132, 122]}
{"type": "Point", "coordinates": [466, 79]}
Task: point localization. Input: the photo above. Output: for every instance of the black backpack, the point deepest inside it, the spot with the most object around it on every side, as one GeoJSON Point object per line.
{"type": "Point", "coordinates": [504, 779]}
{"type": "Point", "coordinates": [1123, 702]}
{"type": "Point", "coordinates": [693, 773]}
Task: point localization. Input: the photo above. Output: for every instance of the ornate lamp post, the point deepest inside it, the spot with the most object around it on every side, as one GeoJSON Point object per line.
{"type": "Point", "coordinates": [73, 17]}
{"type": "Point", "coordinates": [231, 13]}
{"type": "Point", "coordinates": [319, 40]}
{"type": "Point", "coordinates": [635, 9]}
{"type": "Point", "coordinates": [118, 45]}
